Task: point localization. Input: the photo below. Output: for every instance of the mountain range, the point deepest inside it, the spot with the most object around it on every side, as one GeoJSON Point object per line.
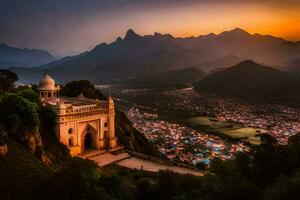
{"type": "Point", "coordinates": [11, 56]}
{"type": "Point", "coordinates": [137, 55]}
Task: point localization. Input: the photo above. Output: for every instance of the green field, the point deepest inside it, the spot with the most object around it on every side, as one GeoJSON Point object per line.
{"type": "Point", "coordinates": [247, 133]}
{"type": "Point", "coordinates": [232, 129]}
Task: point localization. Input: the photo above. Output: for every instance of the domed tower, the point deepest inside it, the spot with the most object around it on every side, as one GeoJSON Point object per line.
{"type": "Point", "coordinates": [111, 123]}
{"type": "Point", "coordinates": [47, 89]}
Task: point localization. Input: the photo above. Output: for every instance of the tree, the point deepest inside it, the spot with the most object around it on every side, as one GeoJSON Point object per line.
{"type": "Point", "coordinates": [75, 88]}
{"type": "Point", "coordinates": [294, 150]}
{"type": "Point", "coordinates": [7, 80]}
{"type": "Point", "coordinates": [166, 185]}
{"type": "Point", "coordinates": [268, 140]}
{"type": "Point", "coordinates": [78, 179]}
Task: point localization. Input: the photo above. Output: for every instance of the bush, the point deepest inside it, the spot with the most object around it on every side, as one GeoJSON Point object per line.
{"type": "Point", "coordinates": [30, 95]}
{"type": "Point", "coordinates": [18, 113]}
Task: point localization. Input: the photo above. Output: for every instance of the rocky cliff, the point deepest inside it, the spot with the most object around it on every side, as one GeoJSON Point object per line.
{"type": "Point", "coordinates": [132, 139]}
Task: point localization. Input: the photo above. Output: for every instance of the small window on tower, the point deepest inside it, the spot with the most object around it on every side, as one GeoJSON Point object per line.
{"type": "Point", "coordinates": [70, 131]}
{"type": "Point", "coordinates": [105, 124]}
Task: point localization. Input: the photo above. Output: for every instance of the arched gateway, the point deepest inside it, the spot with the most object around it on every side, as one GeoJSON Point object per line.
{"type": "Point", "coordinates": [81, 123]}
{"type": "Point", "coordinates": [88, 141]}
{"type": "Point", "coordinates": [89, 136]}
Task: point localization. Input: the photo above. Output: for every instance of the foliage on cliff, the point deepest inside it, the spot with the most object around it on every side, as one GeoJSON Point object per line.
{"type": "Point", "coordinates": [7, 80]}
{"type": "Point", "coordinates": [75, 88]}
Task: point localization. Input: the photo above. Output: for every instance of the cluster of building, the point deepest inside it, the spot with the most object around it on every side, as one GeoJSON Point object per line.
{"type": "Point", "coordinates": [182, 144]}
{"type": "Point", "coordinates": [280, 121]}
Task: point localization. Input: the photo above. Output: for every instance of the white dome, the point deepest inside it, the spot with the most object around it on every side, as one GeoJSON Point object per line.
{"type": "Point", "coordinates": [47, 83]}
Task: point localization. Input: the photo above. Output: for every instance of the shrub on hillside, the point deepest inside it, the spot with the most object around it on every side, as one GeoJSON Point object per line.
{"type": "Point", "coordinates": [18, 113]}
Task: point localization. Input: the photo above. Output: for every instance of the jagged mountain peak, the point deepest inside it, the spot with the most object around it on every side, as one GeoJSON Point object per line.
{"type": "Point", "coordinates": [156, 34]}
{"type": "Point", "coordinates": [119, 39]}
{"type": "Point", "coordinates": [236, 31]}
{"type": "Point", "coordinates": [130, 34]}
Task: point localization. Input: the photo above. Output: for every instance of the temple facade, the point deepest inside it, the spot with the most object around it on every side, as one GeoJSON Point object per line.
{"type": "Point", "coordinates": [81, 123]}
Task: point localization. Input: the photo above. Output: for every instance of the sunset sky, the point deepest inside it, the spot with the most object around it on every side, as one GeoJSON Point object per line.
{"type": "Point", "coordinates": [67, 26]}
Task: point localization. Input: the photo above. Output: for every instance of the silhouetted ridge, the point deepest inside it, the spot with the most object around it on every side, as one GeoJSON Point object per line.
{"type": "Point", "coordinates": [251, 79]}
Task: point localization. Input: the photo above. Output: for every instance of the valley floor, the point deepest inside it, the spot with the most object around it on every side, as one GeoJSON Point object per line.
{"type": "Point", "coordinates": [163, 116]}
{"type": "Point", "coordinates": [279, 120]}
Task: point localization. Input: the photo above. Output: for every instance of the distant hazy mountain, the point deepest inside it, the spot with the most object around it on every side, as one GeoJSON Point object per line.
{"type": "Point", "coordinates": [222, 62]}
{"type": "Point", "coordinates": [266, 49]}
{"type": "Point", "coordinates": [166, 79]}
{"type": "Point", "coordinates": [249, 79]}
{"type": "Point", "coordinates": [135, 55]}
{"type": "Point", "coordinates": [294, 65]}
{"type": "Point", "coordinates": [10, 56]}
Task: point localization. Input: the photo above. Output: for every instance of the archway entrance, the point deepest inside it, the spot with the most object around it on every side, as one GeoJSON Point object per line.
{"type": "Point", "coordinates": [88, 141]}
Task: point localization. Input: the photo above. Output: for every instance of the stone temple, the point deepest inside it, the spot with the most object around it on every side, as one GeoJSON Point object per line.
{"type": "Point", "coordinates": [81, 123]}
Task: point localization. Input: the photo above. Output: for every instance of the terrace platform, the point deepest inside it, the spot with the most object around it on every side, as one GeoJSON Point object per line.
{"type": "Point", "coordinates": [108, 158]}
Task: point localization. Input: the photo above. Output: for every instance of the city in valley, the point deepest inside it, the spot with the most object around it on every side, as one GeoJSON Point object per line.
{"type": "Point", "coordinates": [163, 117]}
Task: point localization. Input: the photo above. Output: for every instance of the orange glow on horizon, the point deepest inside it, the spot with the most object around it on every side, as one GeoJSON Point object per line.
{"type": "Point", "coordinates": [200, 20]}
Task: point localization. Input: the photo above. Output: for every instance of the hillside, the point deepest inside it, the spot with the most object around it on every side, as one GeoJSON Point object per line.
{"type": "Point", "coordinates": [135, 55]}
{"type": "Point", "coordinates": [249, 79]}
{"type": "Point", "coordinates": [166, 79]}
{"type": "Point", "coordinates": [294, 66]}
{"type": "Point", "coordinates": [11, 56]}
{"type": "Point", "coordinates": [21, 173]}
{"type": "Point", "coordinates": [132, 139]}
